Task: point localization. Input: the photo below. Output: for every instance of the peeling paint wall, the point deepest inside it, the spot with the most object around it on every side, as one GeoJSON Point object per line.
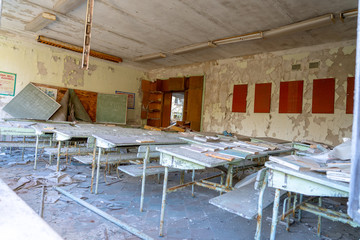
{"type": "Point", "coordinates": [33, 62]}
{"type": "Point", "coordinates": [336, 60]}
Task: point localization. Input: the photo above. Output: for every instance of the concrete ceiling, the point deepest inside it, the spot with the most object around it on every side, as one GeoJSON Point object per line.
{"type": "Point", "coordinates": [131, 28]}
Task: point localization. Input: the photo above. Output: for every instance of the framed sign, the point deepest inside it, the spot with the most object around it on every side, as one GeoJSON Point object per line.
{"type": "Point", "coordinates": [51, 92]}
{"type": "Point", "coordinates": [131, 99]}
{"type": "Point", "coordinates": [7, 83]}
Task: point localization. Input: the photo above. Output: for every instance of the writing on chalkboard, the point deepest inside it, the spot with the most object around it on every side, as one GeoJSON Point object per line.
{"type": "Point", "coordinates": [111, 108]}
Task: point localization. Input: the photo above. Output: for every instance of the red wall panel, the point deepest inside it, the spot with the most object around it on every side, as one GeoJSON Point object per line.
{"type": "Point", "coordinates": [239, 98]}
{"type": "Point", "coordinates": [323, 98]}
{"type": "Point", "coordinates": [262, 98]}
{"type": "Point", "coordinates": [291, 96]}
{"type": "Point", "coordinates": [350, 95]}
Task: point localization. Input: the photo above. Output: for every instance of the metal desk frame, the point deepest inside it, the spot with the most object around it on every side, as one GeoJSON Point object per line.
{"type": "Point", "coordinates": [303, 183]}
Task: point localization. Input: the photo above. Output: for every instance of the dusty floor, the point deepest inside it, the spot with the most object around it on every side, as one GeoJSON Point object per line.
{"type": "Point", "coordinates": [185, 218]}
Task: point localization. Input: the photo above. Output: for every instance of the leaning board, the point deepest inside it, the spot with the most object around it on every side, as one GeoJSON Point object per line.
{"type": "Point", "coordinates": [32, 103]}
{"type": "Point", "coordinates": [111, 108]}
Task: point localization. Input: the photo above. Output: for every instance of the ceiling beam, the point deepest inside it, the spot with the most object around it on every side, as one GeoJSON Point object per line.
{"type": "Point", "coordinates": [65, 6]}
{"type": "Point", "coordinates": [40, 22]}
{"type": "Point", "coordinates": [68, 46]}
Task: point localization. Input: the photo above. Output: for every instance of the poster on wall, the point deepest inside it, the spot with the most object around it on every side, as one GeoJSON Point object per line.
{"type": "Point", "coordinates": [131, 99]}
{"type": "Point", "coordinates": [51, 92]}
{"type": "Point", "coordinates": [7, 83]}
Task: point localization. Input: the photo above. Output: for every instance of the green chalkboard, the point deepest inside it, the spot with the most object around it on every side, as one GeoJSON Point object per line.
{"type": "Point", "coordinates": [31, 103]}
{"type": "Point", "coordinates": [111, 108]}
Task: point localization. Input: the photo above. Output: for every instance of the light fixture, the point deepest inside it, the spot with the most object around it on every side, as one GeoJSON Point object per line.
{"type": "Point", "coordinates": [240, 38]}
{"type": "Point", "coordinates": [348, 14]}
{"type": "Point", "coordinates": [65, 6]}
{"type": "Point", "coordinates": [68, 46]}
{"type": "Point", "coordinates": [40, 22]}
{"type": "Point", "coordinates": [149, 57]}
{"type": "Point", "coordinates": [193, 47]}
{"type": "Point", "coordinates": [301, 26]}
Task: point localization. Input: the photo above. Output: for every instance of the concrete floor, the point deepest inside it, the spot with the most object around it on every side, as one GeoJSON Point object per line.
{"type": "Point", "coordinates": [185, 218]}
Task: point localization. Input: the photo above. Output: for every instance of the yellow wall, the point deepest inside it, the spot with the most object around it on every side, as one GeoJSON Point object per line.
{"type": "Point", "coordinates": [34, 62]}
{"type": "Point", "coordinates": [336, 61]}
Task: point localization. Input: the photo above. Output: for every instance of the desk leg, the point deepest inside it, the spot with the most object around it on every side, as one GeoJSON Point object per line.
{"type": "Point", "coordinates": [93, 168]}
{"type": "Point", "coordinates": [163, 202]}
{"type": "Point", "coordinates": [146, 159]}
{"type": "Point", "coordinates": [229, 177]}
{"type": "Point", "coordinates": [319, 219]}
{"type": "Point", "coordinates": [288, 209]}
{"type": "Point", "coordinates": [98, 171]}
{"type": "Point", "coordinates": [58, 157]}
{"type": "Point", "coordinates": [182, 177]}
{"type": "Point", "coordinates": [193, 186]}
{"type": "Point", "coordinates": [23, 150]}
{"type": "Point", "coordinates": [260, 207]}
{"type": "Point", "coordinates": [299, 213]}
{"type": "Point", "coordinates": [36, 150]}
{"type": "Point", "coordinates": [11, 139]}
{"type": "Point", "coordinates": [275, 214]}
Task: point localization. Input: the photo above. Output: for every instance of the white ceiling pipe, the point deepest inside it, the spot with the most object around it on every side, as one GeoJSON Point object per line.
{"type": "Point", "coordinates": [193, 47]}
{"type": "Point", "coordinates": [240, 38]}
{"type": "Point", "coordinates": [149, 57]}
{"type": "Point", "coordinates": [348, 14]}
{"type": "Point", "coordinates": [301, 26]}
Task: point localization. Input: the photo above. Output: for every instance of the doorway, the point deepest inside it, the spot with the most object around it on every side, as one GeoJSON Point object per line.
{"type": "Point", "coordinates": [177, 107]}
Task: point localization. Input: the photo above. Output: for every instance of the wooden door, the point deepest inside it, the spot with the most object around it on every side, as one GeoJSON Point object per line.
{"type": "Point", "coordinates": [166, 110]}
{"type": "Point", "coordinates": [194, 102]}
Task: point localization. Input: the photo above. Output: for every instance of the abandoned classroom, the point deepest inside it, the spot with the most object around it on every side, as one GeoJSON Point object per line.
{"type": "Point", "coordinates": [179, 119]}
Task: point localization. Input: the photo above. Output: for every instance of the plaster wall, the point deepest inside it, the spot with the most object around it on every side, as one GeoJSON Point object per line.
{"type": "Point", "coordinates": [336, 61]}
{"type": "Point", "coordinates": [33, 62]}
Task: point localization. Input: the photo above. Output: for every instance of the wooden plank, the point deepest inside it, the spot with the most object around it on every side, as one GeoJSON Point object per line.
{"type": "Point", "coordinates": [234, 153]}
{"type": "Point", "coordinates": [246, 150]}
{"type": "Point", "coordinates": [194, 149]}
{"type": "Point", "coordinates": [147, 127]}
{"type": "Point", "coordinates": [194, 107]}
{"type": "Point", "coordinates": [89, 101]}
{"type": "Point", "coordinates": [32, 103]}
{"type": "Point", "coordinates": [192, 157]}
{"type": "Point", "coordinates": [295, 162]}
{"type": "Point", "coordinates": [166, 110]}
{"type": "Point", "coordinates": [220, 156]}
{"type": "Point", "coordinates": [40, 22]}
{"type": "Point", "coordinates": [145, 140]}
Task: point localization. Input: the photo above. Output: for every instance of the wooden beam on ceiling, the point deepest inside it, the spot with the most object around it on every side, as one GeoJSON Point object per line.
{"type": "Point", "coordinates": [68, 46]}
{"type": "Point", "coordinates": [65, 6]}
{"type": "Point", "coordinates": [40, 22]}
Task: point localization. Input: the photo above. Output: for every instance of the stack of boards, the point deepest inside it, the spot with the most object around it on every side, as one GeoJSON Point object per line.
{"type": "Point", "coordinates": [211, 145]}
{"type": "Point", "coordinates": [339, 171]}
